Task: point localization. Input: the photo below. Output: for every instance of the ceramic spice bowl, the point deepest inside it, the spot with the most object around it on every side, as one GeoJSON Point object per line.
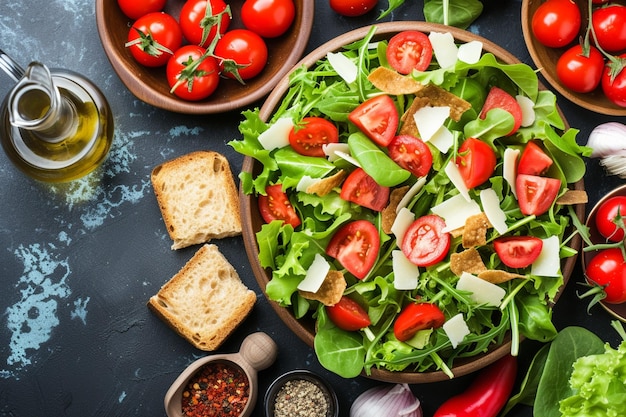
{"type": "Point", "coordinates": [301, 390]}
{"type": "Point", "coordinates": [230, 379]}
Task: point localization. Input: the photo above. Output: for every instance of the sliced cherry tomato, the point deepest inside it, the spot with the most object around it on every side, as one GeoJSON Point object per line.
{"type": "Point", "coordinates": [200, 19]}
{"type": "Point", "coordinates": [518, 251]}
{"type": "Point", "coordinates": [476, 161]}
{"type": "Point", "coordinates": [580, 73]}
{"type": "Point", "coordinates": [311, 135]}
{"type": "Point", "coordinates": [409, 50]}
{"type": "Point", "coordinates": [245, 49]}
{"type": "Point", "coordinates": [377, 118]}
{"type": "Point", "coordinates": [153, 39]}
{"type": "Point", "coordinates": [412, 154]}
{"type": "Point", "coordinates": [498, 98]}
{"type": "Point", "coordinates": [356, 247]}
{"type": "Point", "coordinates": [609, 26]}
{"type": "Point", "coordinates": [415, 317]}
{"type": "Point", "coordinates": [352, 8]}
{"type": "Point", "coordinates": [534, 161]}
{"type": "Point", "coordinates": [134, 9]}
{"type": "Point", "coordinates": [425, 243]}
{"type": "Point", "coordinates": [275, 205]}
{"type": "Point", "coordinates": [556, 23]}
{"type": "Point", "coordinates": [196, 84]}
{"type": "Point", "coordinates": [608, 214]}
{"type": "Point", "coordinates": [608, 269]}
{"type": "Point", "coordinates": [348, 315]}
{"type": "Point", "coordinates": [614, 87]}
{"type": "Point", "coordinates": [268, 18]}
{"type": "Point", "coordinates": [535, 194]}
{"type": "Point", "coordinates": [361, 189]}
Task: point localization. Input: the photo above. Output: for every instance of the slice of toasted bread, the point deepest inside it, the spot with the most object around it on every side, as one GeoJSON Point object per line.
{"type": "Point", "coordinates": [197, 197]}
{"type": "Point", "coordinates": [205, 301]}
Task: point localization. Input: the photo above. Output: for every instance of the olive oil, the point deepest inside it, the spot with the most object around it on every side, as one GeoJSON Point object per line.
{"type": "Point", "coordinates": [73, 140]}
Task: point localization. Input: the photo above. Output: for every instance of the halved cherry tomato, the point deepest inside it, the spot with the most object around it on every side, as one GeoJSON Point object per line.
{"type": "Point", "coordinates": [314, 132]}
{"type": "Point", "coordinates": [361, 189]}
{"type": "Point", "coordinates": [556, 23]}
{"type": "Point", "coordinates": [536, 194]}
{"type": "Point", "coordinates": [275, 205]}
{"type": "Point", "coordinates": [153, 39]}
{"type": "Point", "coordinates": [356, 247]}
{"type": "Point", "coordinates": [476, 161]}
{"type": "Point", "coordinates": [607, 215]}
{"type": "Point", "coordinates": [348, 315]}
{"type": "Point", "coordinates": [188, 82]}
{"type": "Point", "coordinates": [579, 72]}
{"type": "Point", "coordinates": [352, 8]}
{"type": "Point", "coordinates": [608, 269]}
{"type": "Point", "coordinates": [134, 9]}
{"type": "Point", "coordinates": [498, 98]}
{"type": "Point", "coordinates": [377, 118]}
{"type": "Point", "coordinates": [518, 251]}
{"type": "Point", "coordinates": [609, 26]}
{"type": "Point", "coordinates": [534, 161]}
{"type": "Point", "coordinates": [244, 48]}
{"type": "Point", "coordinates": [412, 154]}
{"type": "Point", "coordinates": [415, 317]}
{"type": "Point", "coordinates": [196, 24]}
{"type": "Point", "coordinates": [409, 50]}
{"type": "Point", "coordinates": [425, 243]}
{"type": "Point", "coordinates": [268, 18]}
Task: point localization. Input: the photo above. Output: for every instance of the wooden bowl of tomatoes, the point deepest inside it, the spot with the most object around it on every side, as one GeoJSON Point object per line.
{"type": "Point", "coordinates": [553, 30]}
{"type": "Point", "coordinates": [604, 267]}
{"type": "Point", "coordinates": [153, 84]}
{"type": "Point", "coordinates": [309, 224]}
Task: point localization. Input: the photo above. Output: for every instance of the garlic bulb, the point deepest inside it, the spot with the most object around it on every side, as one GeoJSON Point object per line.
{"type": "Point", "coordinates": [608, 142]}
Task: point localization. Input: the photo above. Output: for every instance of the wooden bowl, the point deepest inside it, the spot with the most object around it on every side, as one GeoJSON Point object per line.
{"type": "Point", "coordinates": [252, 221]}
{"type": "Point", "coordinates": [616, 310]}
{"type": "Point", "coordinates": [545, 60]}
{"type": "Point", "coordinates": [150, 84]}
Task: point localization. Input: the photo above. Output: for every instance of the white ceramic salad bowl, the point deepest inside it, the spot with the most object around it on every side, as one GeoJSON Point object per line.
{"type": "Point", "coordinates": [305, 327]}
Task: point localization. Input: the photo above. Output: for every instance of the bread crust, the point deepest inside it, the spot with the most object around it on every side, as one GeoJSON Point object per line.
{"type": "Point", "coordinates": [198, 199]}
{"type": "Point", "coordinates": [205, 301]}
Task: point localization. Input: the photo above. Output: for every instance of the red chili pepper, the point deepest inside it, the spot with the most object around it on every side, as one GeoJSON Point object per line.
{"type": "Point", "coordinates": [488, 393]}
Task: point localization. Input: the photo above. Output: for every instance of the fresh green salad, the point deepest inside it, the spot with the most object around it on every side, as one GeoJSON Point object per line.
{"type": "Point", "coordinates": [426, 318]}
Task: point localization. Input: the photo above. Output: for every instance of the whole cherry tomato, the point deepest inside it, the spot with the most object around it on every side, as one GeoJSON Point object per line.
{"type": "Point", "coordinates": [608, 269]}
{"type": "Point", "coordinates": [243, 53]}
{"type": "Point", "coordinates": [190, 78]}
{"type": "Point", "coordinates": [614, 87]}
{"type": "Point", "coordinates": [134, 9]}
{"type": "Point", "coordinates": [268, 18]}
{"type": "Point", "coordinates": [199, 19]}
{"type": "Point", "coordinates": [607, 217]}
{"type": "Point", "coordinates": [352, 8]}
{"type": "Point", "coordinates": [609, 26]}
{"type": "Point", "coordinates": [556, 23]}
{"type": "Point", "coordinates": [578, 72]}
{"type": "Point", "coordinates": [153, 38]}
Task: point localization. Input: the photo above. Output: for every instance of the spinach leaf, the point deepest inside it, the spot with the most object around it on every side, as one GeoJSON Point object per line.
{"type": "Point", "coordinates": [535, 318]}
{"type": "Point", "coordinates": [375, 162]}
{"type": "Point", "coordinates": [458, 13]}
{"type": "Point", "coordinates": [571, 343]}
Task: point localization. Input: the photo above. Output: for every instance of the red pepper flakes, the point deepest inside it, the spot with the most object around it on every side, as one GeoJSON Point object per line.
{"type": "Point", "coordinates": [218, 389]}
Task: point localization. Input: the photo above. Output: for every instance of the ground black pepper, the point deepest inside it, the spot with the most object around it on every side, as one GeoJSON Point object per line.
{"type": "Point", "coordinates": [301, 398]}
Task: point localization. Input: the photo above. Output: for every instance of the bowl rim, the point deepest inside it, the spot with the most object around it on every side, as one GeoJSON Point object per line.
{"type": "Point", "coordinates": [462, 366]}
{"type": "Point", "coordinates": [616, 310]}
{"type": "Point", "coordinates": [580, 99]}
{"type": "Point", "coordinates": [305, 374]}
{"type": "Point", "coordinates": [143, 92]}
